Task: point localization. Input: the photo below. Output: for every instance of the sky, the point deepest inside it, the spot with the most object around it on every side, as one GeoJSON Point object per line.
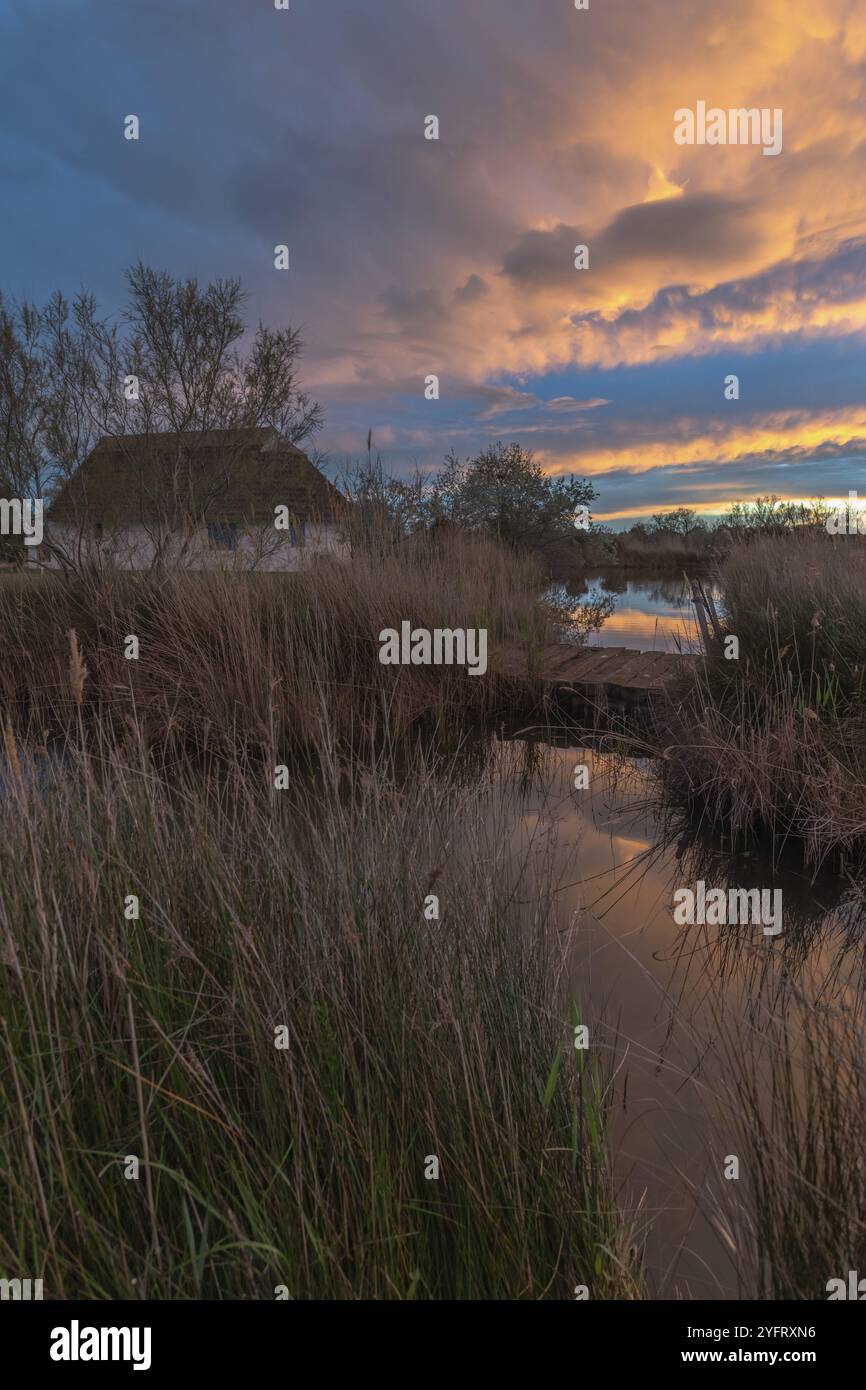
{"type": "Point", "coordinates": [412, 257]}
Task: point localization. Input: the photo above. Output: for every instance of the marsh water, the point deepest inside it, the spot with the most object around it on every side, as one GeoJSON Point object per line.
{"type": "Point", "coordinates": [650, 612]}
{"type": "Point", "coordinates": [703, 1026]}
{"type": "Point", "coordinates": [683, 1014]}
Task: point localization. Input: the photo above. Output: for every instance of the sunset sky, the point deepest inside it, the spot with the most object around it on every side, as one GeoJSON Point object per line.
{"type": "Point", "coordinates": [456, 257]}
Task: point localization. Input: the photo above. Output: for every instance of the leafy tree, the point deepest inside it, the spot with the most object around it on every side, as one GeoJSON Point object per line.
{"type": "Point", "coordinates": [679, 522]}
{"type": "Point", "coordinates": [504, 492]}
{"type": "Point", "coordinates": [770, 515]}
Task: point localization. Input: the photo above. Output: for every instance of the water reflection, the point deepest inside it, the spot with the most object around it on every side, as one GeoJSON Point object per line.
{"type": "Point", "coordinates": [687, 1011]}
{"type": "Point", "coordinates": [651, 613]}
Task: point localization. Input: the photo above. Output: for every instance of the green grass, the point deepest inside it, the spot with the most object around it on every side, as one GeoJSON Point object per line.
{"type": "Point", "coordinates": [407, 1038]}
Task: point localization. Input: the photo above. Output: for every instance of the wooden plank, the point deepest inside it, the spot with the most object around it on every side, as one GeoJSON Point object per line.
{"type": "Point", "coordinates": [658, 663]}
{"type": "Point", "coordinates": [609, 666]}
{"type": "Point", "coordinates": [666, 674]}
{"type": "Point", "coordinates": [592, 666]}
{"type": "Point", "coordinates": [563, 658]}
{"type": "Point", "coordinates": [631, 668]}
{"type": "Point", "coordinates": [567, 665]}
{"type": "Point", "coordinates": [662, 670]}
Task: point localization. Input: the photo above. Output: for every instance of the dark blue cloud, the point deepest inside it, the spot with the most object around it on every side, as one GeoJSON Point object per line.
{"type": "Point", "coordinates": [260, 127]}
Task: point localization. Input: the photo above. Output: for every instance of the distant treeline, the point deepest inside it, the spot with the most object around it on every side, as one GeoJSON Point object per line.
{"type": "Point", "coordinates": [503, 493]}
{"type": "Point", "coordinates": [681, 534]}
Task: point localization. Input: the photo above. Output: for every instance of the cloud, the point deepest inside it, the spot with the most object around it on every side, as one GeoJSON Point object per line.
{"type": "Point", "coordinates": [503, 399]}
{"type": "Point", "coordinates": [413, 309]}
{"type": "Point", "coordinates": [474, 289]}
{"type": "Point", "coordinates": [681, 237]}
{"type": "Point", "coordinates": [457, 256]}
{"type": "Point", "coordinates": [569, 403]}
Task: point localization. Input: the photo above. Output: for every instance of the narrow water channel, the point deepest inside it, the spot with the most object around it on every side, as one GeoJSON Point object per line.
{"type": "Point", "coordinates": [682, 1012]}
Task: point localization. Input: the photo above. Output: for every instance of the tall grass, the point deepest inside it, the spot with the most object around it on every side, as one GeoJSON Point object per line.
{"type": "Point", "coordinates": [792, 1098]}
{"type": "Point", "coordinates": [775, 1028]}
{"type": "Point", "coordinates": [656, 550]}
{"type": "Point", "coordinates": [295, 917]}
{"type": "Point", "coordinates": [803, 1136]}
{"type": "Point", "coordinates": [238, 661]}
{"type": "Point", "coordinates": [772, 745]}
{"type": "Point", "coordinates": [408, 1038]}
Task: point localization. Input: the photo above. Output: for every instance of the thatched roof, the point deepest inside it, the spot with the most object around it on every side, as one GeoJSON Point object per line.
{"type": "Point", "coordinates": [220, 476]}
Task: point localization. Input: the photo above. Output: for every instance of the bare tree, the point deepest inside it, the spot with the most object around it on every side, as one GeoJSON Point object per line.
{"type": "Point", "coordinates": [385, 509]}
{"type": "Point", "coordinates": [158, 381]}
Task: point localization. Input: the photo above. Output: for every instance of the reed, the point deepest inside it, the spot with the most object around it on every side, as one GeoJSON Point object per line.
{"type": "Point", "coordinates": [406, 1038]}
{"type": "Point", "coordinates": [771, 746]}
{"type": "Point", "coordinates": [234, 662]}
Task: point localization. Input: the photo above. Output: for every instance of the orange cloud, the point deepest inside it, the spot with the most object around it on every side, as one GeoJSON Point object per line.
{"type": "Point", "coordinates": [689, 441]}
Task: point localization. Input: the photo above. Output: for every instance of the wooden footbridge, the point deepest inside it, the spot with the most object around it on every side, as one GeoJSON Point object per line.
{"type": "Point", "coordinates": [601, 676]}
{"type": "Point", "coordinates": [599, 673]}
